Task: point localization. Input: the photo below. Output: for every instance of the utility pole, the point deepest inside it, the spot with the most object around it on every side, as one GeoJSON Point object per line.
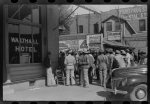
{"type": "Point", "coordinates": [89, 23]}
{"type": "Point", "coordinates": [77, 23]}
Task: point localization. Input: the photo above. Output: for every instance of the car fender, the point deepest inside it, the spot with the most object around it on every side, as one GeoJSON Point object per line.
{"type": "Point", "coordinates": [136, 79]}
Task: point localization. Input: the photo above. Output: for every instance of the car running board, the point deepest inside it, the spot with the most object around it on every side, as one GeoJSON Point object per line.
{"type": "Point", "coordinates": [115, 91]}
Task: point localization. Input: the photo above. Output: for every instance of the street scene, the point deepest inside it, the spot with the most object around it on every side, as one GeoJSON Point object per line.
{"type": "Point", "coordinates": [75, 53]}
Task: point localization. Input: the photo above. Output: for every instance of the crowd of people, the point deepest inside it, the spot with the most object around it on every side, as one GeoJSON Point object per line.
{"type": "Point", "coordinates": [88, 65]}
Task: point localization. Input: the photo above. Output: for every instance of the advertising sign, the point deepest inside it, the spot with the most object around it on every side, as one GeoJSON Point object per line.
{"type": "Point", "coordinates": [72, 44]}
{"type": "Point", "coordinates": [94, 41]}
{"type": "Point", "coordinates": [114, 35]}
{"type": "Point", "coordinates": [133, 13]}
{"type": "Point", "coordinates": [94, 38]}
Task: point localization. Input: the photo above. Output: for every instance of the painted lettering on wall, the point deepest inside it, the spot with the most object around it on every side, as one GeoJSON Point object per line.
{"type": "Point", "coordinates": [134, 12]}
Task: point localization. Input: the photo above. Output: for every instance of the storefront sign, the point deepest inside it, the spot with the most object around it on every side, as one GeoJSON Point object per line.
{"type": "Point", "coordinates": [72, 44]}
{"type": "Point", "coordinates": [94, 38]}
{"type": "Point", "coordinates": [94, 41]}
{"type": "Point", "coordinates": [114, 35]}
{"type": "Point", "coordinates": [134, 12]}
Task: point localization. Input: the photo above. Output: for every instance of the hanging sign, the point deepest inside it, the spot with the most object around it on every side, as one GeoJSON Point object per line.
{"type": "Point", "coordinates": [114, 35]}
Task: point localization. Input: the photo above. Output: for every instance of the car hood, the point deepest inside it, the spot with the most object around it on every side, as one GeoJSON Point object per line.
{"type": "Point", "coordinates": [129, 71]}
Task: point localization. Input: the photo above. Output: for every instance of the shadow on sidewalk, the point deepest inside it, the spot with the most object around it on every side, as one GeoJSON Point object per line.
{"type": "Point", "coordinates": [112, 97]}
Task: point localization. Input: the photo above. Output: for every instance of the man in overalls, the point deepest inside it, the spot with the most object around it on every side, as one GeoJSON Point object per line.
{"type": "Point", "coordinates": [84, 66]}
{"type": "Point", "coordinates": [102, 62]}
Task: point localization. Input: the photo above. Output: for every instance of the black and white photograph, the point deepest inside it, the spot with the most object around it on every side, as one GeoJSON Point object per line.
{"type": "Point", "coordinates": [75, 52]}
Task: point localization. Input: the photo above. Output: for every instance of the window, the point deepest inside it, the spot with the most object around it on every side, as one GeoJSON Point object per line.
{"type": "Point", "coordinates": [80, 28]}
{"type": "Point", "coordinates": [96, 28]}
{"type": "Point", "coordinates": [25, 41]}
{"type": "Point", "coordinates": [117, 26]}
{"type": "Point", "coordinates": [142, 25]}
{"type": "Point", "coordinates": [24, 44]}
{"type": "Point", "coordinates": [26, 13]}
{"type": "Point", "coordinates": [109, 26]}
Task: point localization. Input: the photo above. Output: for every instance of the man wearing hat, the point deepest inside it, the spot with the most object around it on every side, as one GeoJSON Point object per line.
{"type": "Point", "coordinates": [91, 66]}
{"type": "Point", "coordinates": [111, 57]}
{"type": "Point", "coordinates": [70, 62]}
{"type": "Point", "coordinates": [102, 62]}
{"type": "Point", "coordinates": [84, 66]}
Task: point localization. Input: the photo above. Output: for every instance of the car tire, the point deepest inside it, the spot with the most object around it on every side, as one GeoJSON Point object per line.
{"type": "Point", "coordinates": [134, 94]}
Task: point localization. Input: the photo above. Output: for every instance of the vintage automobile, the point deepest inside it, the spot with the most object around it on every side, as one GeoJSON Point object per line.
{"type": "Point", "coordinates": [130, 81]}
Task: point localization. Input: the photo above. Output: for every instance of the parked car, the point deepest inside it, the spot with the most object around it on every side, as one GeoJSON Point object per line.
{"type": "Point", "coordinates": [131, 81]}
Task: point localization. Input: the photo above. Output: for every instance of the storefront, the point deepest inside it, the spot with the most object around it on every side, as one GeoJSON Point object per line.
{"type": "Point", "coordinates": [26, 41]}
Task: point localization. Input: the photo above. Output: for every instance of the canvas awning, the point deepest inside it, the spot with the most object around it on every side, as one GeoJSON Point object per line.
{"type": "Point", "coordinates": [115, 44]}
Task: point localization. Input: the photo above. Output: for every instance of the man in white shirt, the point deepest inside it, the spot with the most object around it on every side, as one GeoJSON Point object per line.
{"type": "Point", "coordinates": [120, 59]}
{"type": "Point", "coordinates": [70, 62]}
{"type": "Point", "coordinates": [128, 57]}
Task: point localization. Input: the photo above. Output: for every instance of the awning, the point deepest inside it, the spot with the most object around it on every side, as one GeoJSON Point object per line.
{"type": "Point", "coordinates": [115, 44]}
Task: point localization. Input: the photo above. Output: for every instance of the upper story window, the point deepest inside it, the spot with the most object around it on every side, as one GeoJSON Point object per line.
{"type": "Point", "coordinates": [80, 28]}
{"type": "Point", "coordinates": [142, 25]}
{"type": "Point", "coordinates": [96, 28]}
{"type": "Point", "coordinates": [117, 26]}
{"type": "Point", "coordinates": [25, 13]}
{"type": "Point", "coordinates": [108, 26]}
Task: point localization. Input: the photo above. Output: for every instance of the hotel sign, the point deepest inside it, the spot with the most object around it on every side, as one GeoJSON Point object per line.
{"type": "Point", "coordinates": [133, 12]}
{"type": "Point", "coordinates": [114, 35]}
{"type": "Point", "coordinates": [24, 43]}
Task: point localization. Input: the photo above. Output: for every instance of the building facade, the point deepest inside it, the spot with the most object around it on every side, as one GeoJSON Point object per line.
{"type": "Point", "coordinates": [129, 29]}
{"type": "Point", "coordinates": [28, 36]}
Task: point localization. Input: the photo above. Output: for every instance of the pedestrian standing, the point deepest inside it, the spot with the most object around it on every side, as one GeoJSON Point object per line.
{"type": "Point", "coordinates": [70, 62]}
{"type": "Point", "coordinates": [50, 80]}
{"type": "Point", "coordinates": [111, 58]}
{"type": "Point", "coordinates": [76, 65]}
{"type": "Point", "coordinates": [102, 62]}
{"type": "Point", "coordinates": [143, 59]}
{"type": "Point", "coordinates": [108, 64]}
{"type": "Point", "coordinates": [139, 55]}
{"type": "Point", "coordinates": [128, 57]}
{"type": "Point", "coordinates": [84, 66]}
{"type": "Point", "coordinates": [91, 67]}
{"type": "Point", "coordinates": [125, 58]}
{"type": "Point", "coordinates": [120, 59]}
{"type": "Point", "coordinates": [97, 69]}
{"type": "Point", "coordinates": [61, 63]}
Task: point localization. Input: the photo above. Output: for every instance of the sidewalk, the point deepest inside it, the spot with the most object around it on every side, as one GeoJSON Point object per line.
{"type": "Point", "coordinates": [58, 93]}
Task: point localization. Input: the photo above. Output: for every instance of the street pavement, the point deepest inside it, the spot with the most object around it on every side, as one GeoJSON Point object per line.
{"type": "Point", "coordinates": [65, 93]}
{"type": "Point", "coordinates": [58, 93]}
